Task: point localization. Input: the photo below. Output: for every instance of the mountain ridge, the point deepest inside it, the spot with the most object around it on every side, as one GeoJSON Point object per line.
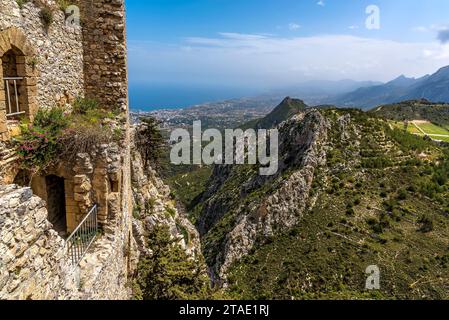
{"type": "Point", "coordinates": [433, 87]}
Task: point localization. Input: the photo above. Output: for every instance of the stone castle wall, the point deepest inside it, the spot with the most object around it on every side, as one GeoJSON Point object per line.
{"type": "Point", "coordinates": [58, 51]}
{"type": "Point", "coordinates": [33, 263]}
{"type": "Point", "coordinates": [34, 260]}
{"type": "Point", "coordinates": [104, 40]}
{"type": "Point", "coordinates": [69, 61]}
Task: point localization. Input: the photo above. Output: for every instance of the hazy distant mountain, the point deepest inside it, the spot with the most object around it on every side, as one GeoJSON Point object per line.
{"type": "Point", "coordinates": [320, 91]}
{"type": "Point", "coordinates": [433, 88]}
{"type": "Point", "coordinates": [336, 87]}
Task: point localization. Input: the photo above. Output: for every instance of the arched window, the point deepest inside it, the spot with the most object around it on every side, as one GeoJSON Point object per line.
{"type": "Point", "coordinates": [17, 82]}
{"type": "Point", "coordinates": [13, 85]}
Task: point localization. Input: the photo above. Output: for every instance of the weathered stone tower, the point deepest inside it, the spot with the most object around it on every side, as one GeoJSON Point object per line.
{"type": "Point", "coordinates": [104, 43]}
{"type": "Point", "coordinates": [46, 63]}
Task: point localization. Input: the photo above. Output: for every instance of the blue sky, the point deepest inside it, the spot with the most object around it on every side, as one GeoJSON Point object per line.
{"type": "Point", "coordinates": [257, 45]}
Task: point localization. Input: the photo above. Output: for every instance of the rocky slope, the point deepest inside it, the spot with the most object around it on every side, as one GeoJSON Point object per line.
{"type": "Point", "coordinates": [154, 205]}
{"type": "Point", "coordinates": [286, 109]}
{"type": "Point", "coordinates": [350, 192]}
{"type": "Point", "coordinates": [240, 207]}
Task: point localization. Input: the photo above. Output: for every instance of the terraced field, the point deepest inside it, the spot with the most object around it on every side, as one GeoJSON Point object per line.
{"type": "Point", "coordinates": [421, 127]}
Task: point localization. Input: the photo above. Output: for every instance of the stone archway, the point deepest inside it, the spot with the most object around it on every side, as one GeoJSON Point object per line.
{"type": "Point", "coordinates": [18, 79]}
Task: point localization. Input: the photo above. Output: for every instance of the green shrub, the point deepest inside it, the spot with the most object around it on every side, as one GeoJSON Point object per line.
{"type": "Point", "coordinates": [21, 3]}
{"type": "Point", "coordinates": [402, 194]}
{"type": "Point", "coordinates": [376, 163]}
{"type": "Point", "coordinates": [63, 4]}
{"type": "Point", "coordinates": [151, 204]}
{"type": "Point", "coordinates": [85, 105]}
{"type": "Point", "coordinates": [149, 141]}
{"type": "Point", "coordinates": [426, 224]}
{"type": "Point", "coordinates": [170, 211]}
{"type": "Point", "coordinates": [37, 148]}
{"type": "Point", "coordinates": [55, 119]}
{"type": "Point", "coordinates": [46, 16]}
{"type": "Point", "coordinates": [350, 212]}
{"type": "Point", "coordinates": [183, 230]}
{"type": "Point", "coordinates": [136, 213]}
{"type": "Point", "coordinates": [33, 62]}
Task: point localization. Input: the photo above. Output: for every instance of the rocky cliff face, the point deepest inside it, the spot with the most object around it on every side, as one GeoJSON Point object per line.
{"type": "Point", "coordinates": [242, 208]}
{"type": "Point", "coordinates": [154, 205]}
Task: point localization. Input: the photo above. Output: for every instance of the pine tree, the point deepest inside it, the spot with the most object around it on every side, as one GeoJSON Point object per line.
{"type": "Point", "coordinates": [149, 141]}
{"type": "Point", "coordinates": [169, 274]}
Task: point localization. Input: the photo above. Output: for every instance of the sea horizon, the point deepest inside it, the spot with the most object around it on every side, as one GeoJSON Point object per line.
{"type": "Point", "coordinates": [162, 97]}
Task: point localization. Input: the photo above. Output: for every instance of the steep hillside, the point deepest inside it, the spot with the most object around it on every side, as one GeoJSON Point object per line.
{"type": "Point", "coordinates": [287, 108]}
{"type": "Point", "coordinates": [434, 88]}
{"type": "Point", "coordinates": [350, 192]}
{"type": "Point", "coordinates": [171, 265]}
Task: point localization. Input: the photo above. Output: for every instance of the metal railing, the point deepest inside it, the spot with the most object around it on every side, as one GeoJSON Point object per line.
{"type": "Point", "coordinates": [12, 98]}
{"type": "Point", "coordinates": [82, 238]}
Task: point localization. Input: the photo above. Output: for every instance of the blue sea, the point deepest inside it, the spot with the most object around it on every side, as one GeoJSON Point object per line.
{"type": "Point", "coordinates": [154, 97]}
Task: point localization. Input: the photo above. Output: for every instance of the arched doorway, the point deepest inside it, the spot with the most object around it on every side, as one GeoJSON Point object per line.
{"type": "Point", "coordinates": [56, 205]}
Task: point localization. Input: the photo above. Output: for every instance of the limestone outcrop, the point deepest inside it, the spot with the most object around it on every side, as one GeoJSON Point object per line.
{"type": "Point", "coordinates": [284, 199]}
{"type": "Point", "coordinates": [154, 205]}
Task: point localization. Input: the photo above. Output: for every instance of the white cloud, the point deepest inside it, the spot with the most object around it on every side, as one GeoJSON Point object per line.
{"type": "Point", "coordinates": [321, 3]}
{"type": "Point", "coordinates": [353, 27]}
{"type": "Point", "coordinates": [294, 26]}
{"type": "Point", "coordinates": [264, 60]}
{"type": "Point", "coordinates": [421, 29]}
{"type": "Point", "coordinates": [431, 28]}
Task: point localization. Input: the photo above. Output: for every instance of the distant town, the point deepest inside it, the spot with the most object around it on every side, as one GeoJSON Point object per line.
{"type": "Point", "coordinates": [220, 115]}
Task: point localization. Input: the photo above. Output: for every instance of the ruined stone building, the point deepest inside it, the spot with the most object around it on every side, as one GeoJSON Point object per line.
{"type": "Point", "coordinates": [50, 218]}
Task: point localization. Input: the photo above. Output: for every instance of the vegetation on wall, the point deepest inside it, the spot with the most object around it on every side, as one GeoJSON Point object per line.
{"type": "Point", "coordinates": [33, 62]}
{"type": "Point", "coordinates": [63, 4]}
{"type": "Point", "coordinates": [37, 148]}
{"type": "Point", "coordinates": [21, 3]}
{"type": "Point", "coordinates": [46, 15]}
{"type": "Point", "coordinates": [57, 133]}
